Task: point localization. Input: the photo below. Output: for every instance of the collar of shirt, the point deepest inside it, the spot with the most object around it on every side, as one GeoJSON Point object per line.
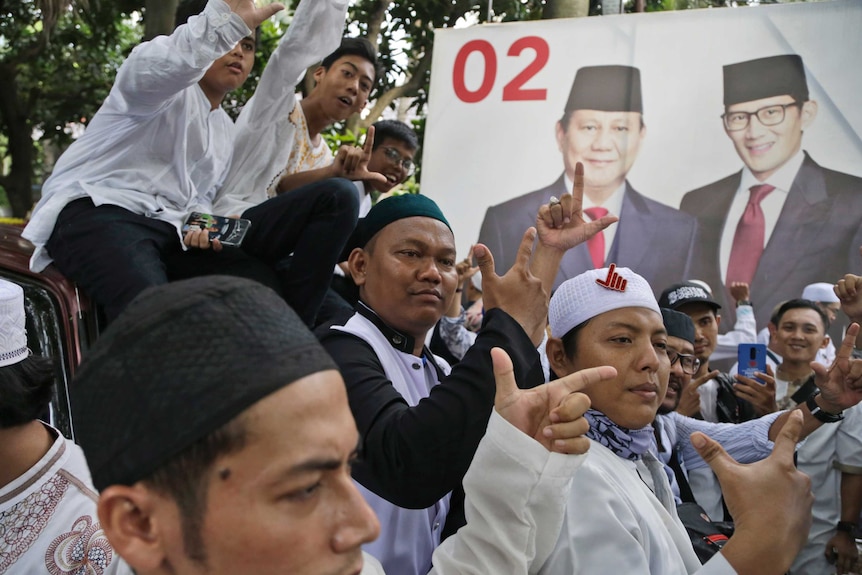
{"type": "Point", "coordinates": [614, 206]}
{"type": "Point", "coordinates": [771, 205]}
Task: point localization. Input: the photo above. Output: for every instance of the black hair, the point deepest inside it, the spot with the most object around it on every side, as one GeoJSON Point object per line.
{"type": "Point", "coordinates": [188, 8]}
{"type": "Point", "coordinates": [564, 121]}
{"type": "Point", "coordinates": [570, 343]}
{"type": "Point", "coordinates": [25, 390]}
{"type": "Point", "coordinates": [801, 304]}
{"type": "Point", "coordinates": [186, 478]}
{"type": "Point", "coordinates": [397, 131]}
{"type": "Point", "coordinates": [354, 47]}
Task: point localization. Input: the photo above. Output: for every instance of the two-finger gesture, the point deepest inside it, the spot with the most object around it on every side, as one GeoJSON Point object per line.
{"type": "Point", "coordinates": [560, 223]}
{"type": "Point", "coordinates": [841, 385]}
{"type": "Point", "coordinates": [553, 413]}
{"type": "Point", "coordinates": [351, 162]}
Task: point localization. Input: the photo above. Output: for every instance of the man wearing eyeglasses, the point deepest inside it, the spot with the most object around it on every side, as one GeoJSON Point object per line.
{"type": "Point", "coordinates": [783, 221]}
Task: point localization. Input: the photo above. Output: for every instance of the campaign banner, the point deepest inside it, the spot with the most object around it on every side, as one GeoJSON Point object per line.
{"type": "Point", "coordinates": [727, 141]}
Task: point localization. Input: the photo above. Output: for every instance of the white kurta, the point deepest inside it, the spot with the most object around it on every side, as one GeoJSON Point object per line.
{"type": "Point", "coordinates": [516, 495]}
{"type": "Point", "coordinates": [48, 518]}
{"type": "Point", "coordinates": [155, 147]}
{"type": "Point", "coordinates": [614, 523]}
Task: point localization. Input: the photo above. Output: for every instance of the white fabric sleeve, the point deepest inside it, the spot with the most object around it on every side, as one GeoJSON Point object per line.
{"type": "Point", "coordinates": [746, 442]}
{"type": "Point", "coordinates": [160, 69]}
{"type": "Point", "coordinates": [848, 446]}
{"type": "Point", "coordinates": [516, 494]}
{"type": "Point", "coordinates": [744, 331]}
{"type": "Point", "coordinates": [264, 134]}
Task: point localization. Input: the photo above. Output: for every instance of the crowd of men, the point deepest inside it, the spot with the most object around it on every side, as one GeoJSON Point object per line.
{"type": "Point", "coordinates": [571, 427]}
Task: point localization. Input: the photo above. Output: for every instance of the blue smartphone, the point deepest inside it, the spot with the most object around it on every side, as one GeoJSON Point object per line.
{"type": "Point", "coordinates": [752, 358]}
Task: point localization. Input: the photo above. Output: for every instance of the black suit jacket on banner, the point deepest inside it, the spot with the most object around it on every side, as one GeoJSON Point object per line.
{"type": "Point", "coordinates": [816, 238]}
{"type": "Point", "coordinates": [652, 239]}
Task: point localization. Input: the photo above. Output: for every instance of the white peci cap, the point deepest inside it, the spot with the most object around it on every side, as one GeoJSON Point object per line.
{"type": "Point", "coordinates": [13, 336]}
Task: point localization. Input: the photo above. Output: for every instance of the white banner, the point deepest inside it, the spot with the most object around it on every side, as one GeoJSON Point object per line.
{"type": "Point", "coordinates": [498, 91]}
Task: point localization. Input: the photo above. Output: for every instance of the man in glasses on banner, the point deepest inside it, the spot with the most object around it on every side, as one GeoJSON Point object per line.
{"type": "Point", "coordinates": [783, 221]}
{"type": "Point", "coordinates": [603, 127]}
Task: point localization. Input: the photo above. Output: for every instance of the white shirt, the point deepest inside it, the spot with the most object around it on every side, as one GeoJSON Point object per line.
{"type": "Point", "coordinates": [264, 132]}
{"type": "Point", "coordinates": [614, 205]}
{"type": "Point", "coordinates": [771, 204]}
{"type": "Point", "coordinates": [614, 524]}
{"type": "Point", "coordinates": [48, 518]}
{"type": "Point", "coordinates": [155, 147]}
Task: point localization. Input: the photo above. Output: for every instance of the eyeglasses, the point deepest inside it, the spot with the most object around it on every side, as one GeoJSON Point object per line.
{"type": "Point", "coordinates": [689, 363]}
{"type": "Point", "coordinates": [395, 157]}
{"type": "Point", "coordinates": [768, 116]}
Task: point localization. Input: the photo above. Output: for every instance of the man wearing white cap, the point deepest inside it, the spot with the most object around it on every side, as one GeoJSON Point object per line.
{"type": "Point", "coordinates": [621, 516]}
{"type": "Point", "coordinates": [48, 515]}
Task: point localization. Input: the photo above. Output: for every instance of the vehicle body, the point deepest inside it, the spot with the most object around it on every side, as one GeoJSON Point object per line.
{"type": "Point", "coordinates": [61, 321]}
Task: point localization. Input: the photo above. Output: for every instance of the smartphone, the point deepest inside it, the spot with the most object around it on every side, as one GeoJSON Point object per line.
{"type": "Point", "coordinates": [229, 231]}
{"type": "Point", "coordinates": [752, 358]}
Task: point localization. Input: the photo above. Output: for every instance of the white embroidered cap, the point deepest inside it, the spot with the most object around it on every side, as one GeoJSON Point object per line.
{"type": "Point", "coordinates": [13, 336]}
{"type": "Point", "coordinates": [821, 292]}
{"type": "Point", "coordinates": [594, 292]}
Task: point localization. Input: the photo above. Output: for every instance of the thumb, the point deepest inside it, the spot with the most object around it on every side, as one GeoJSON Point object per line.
{"type": "Point", "coordinates": [504, 377]}
{"type": "Point", "coordinates": [485, 261]}
{"type": "Point", "coordinates": [785, 444]}
{"type": "Point", "coordinates": [268, 11]}
{"type": "Point", "coordinates": [376, 177]}
{"type": "Point", "coordinates": [713, 453]}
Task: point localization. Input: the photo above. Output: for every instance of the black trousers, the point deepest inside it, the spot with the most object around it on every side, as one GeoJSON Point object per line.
{"type": "Point", "coordinates": [294, 242]}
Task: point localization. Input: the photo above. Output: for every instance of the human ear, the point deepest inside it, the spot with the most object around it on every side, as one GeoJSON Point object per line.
{"type": "Point", "coordinates": [126, 515]}
{"type": "Point", "coordinates": [809, 112]}
{"type": "Point", "coordinates": [560, 134]}
{"type": "Point", "coordinates": [357, 263]}
{"type": "Point", "coordinates": [557, 357]}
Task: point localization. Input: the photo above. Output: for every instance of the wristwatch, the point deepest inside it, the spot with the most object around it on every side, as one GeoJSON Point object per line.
{"type": "Point", "coordinates": [743, 302]}
{"type": "Point", "coordinates": [845, 526]}
{"type": "Point", "coordinates": [818, 413]}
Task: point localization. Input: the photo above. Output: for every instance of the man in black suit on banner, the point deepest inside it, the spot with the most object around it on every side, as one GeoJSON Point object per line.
{"type": "Point", "coordinates": [602, 127]}
{"type": "Point", "coordinates": [783, 221]}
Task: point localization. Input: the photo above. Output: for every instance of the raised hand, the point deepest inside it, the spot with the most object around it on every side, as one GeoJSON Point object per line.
{"type": "Point", "coordinates": [840, 385]}
{"type": "Point", "coordinates": [251, 14]}
{"type": "Point", "coordinates": [849, 291]}
{"type": "Point", "coordinates": [739, 291]}
{"type": "Point", "coordinates": [561, 224]}
{"type": "Point", "coordinates": [552, 414]}
{"type": "Point", "coordinates": [519, 293]}
{"type": "Point", "coordinates": [770, 502]}
{"type": "Point", "coordinates": [351, 162]}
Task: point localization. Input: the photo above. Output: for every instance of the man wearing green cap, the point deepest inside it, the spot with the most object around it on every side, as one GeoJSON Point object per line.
{"type": "Point", "coordinates": [783, 221]}
{"type": "Point", "coordinates": [419, 420]}
{"type": "Point", "coordinates": [602, 126]}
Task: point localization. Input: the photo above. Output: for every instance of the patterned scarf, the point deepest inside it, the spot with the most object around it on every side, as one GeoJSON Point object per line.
{"type": "Point", "coordinates": [629, 444]}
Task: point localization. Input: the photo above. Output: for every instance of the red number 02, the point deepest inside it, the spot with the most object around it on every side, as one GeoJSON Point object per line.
{"type": "Point", "coordinates": [513, 90]}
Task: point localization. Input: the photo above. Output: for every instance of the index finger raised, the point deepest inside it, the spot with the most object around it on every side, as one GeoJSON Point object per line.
{"type": "Point", "coordinates": [559, 388]}
{"type": "Point", "coordinates": [369, 141]}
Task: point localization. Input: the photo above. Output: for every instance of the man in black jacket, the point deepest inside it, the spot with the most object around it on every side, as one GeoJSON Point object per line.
{"type": "Point", "coordinates": [419, 420]}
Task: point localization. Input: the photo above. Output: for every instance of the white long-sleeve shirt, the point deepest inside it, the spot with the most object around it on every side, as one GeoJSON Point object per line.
{"type": "Point", "coordinates": [264, 132]}
{"type": "Point", "coordinates": [155, 147]}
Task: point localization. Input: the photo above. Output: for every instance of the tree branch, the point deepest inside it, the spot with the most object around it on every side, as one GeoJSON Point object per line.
{"type": "Point", "coordinates": [409, 88]}
{"type": "Point", "coordinates": [375, 21]}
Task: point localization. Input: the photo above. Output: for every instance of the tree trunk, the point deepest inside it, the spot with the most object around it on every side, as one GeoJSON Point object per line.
{"type": "Point", "coordinates": [159, 18]}
{"type": "Point", "coordinates": [18, 182]}
{"type": "Point", "coordinates": [566, 9]}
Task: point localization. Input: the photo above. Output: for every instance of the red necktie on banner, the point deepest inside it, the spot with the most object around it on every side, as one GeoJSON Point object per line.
{"type": "Point", "coordinates": [748, 239]}
{"type": "Point", "coordinates": [596, 244]}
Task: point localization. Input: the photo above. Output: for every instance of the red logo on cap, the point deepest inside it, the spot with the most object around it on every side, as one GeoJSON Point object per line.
{"type": "Point", "coordinates": [614, 280]}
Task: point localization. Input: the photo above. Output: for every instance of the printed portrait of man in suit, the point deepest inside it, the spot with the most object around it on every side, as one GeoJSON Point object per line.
{"type": "Point", "coordinates": [602, 127]}
{"type": "Point", "coordinates": [782, 221]}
